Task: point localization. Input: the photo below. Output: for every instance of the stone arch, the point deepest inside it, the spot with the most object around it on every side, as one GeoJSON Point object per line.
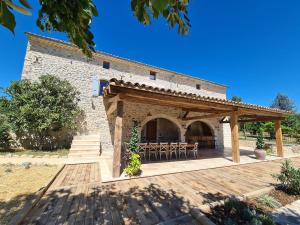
{"type": "Point", "coordinates": [202, 132]}
{"type": "Point", "coordinates": [167, 117]}
{"type": "Point", "coordinates": [203, 121]}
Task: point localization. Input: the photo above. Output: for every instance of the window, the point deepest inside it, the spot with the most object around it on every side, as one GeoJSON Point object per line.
{"type": "Point", "coordinates": [198, 86]}
{"type": "Point", "coordinates": [152, 75]}
{"type": "Point", "coordinates": [103, 85]}
{"type": "Point", "coordinates": [106, 65]}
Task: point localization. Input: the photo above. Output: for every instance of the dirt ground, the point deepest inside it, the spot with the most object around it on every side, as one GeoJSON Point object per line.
{"type": "Point", "coordinates": [19, 184]}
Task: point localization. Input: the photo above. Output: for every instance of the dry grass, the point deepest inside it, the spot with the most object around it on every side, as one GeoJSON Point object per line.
{"type": "Point", "coordinates": [19, 184]}
{"type": "Point", "coordinates": [34, 153]}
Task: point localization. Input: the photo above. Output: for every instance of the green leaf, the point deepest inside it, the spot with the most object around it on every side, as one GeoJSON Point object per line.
{"type": "Point", "coordinates": [17, 8]}
{"type": "Point", "coordinates": [25, 4]}
{"type": "Point", "coordinates": [160, 5]}
{"type": "Point", "coordinates": [7, 19]}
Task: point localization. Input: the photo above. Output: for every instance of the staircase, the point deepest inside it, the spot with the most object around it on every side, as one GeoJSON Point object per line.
{"type": "Point", "coordinates": [84, 149]}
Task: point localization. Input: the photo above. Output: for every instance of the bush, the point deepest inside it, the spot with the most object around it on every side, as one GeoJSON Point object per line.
{"type": "Point", "coordinates": [41, 112]}
{"type": "Point", "coordinates": [5, 138]}
{"type": "Point", "coordinates": [269, 201]}
{"type": "Point", "coordinates": [134, 139]}
{"type": "Point", "coordinates": [260, 140]}
{"type": "Point", "coordinates": [289, 178]}
{"type": "Point", "coordinates": [238, 212]}
{"type": "Point", "coordinates": [133, 168]}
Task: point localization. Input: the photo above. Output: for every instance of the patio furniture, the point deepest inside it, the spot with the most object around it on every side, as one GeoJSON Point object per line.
{"type": "Point", "coordinates": [164, 149]}
{"type": "Point", "coordinates": [173, 149]}
{"type": "Point", "coordinates": [152, 149]}
{"type": "Point", "coordinates": [142, 150]}
{"type": "Point", "coordinates": [194, 150]}
{"type": "Point", "coordinates": [182, 149]}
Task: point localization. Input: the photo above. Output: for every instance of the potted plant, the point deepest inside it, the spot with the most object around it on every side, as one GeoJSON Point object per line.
{"type": "Point", "coordinates": [260, 152]}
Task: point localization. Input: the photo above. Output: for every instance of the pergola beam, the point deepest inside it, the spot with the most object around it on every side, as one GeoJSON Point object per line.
{"type": "Point", "coordinates": [257, 119]}
{"type": "Point", "coordinates": [213, 115]}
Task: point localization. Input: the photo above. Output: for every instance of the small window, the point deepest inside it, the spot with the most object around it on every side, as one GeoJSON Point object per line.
{"type": "Point", "coordinates": [152, 75]}
{"type": "Point", "coordinates": [198, 86]}
{"type": "Point", "coordinates": [103, 85]}
{"type": "Point", "coordinates": [106, 65]}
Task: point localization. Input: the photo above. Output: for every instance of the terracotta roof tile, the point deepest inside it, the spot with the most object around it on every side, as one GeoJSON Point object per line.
{"type": "Point", "coordinates": [116, 82]}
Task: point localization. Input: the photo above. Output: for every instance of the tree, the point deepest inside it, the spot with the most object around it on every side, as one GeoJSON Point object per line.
{"type": "Point", "coordinates": [283, 102]}
{"type": "Point", "coordinates": [236, 98]}
{"type": "Point", "coordinates": [74, 17]}
{"type": "Point", "coordinates": [38, 111]}
{"type": "Point", "coordinates": [5, 138]}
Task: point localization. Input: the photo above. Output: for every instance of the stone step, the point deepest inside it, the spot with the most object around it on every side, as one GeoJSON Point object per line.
{"type": "Point", "coordinates": [83, 155]}
{"type": "Point", "coordinates": [87, 137]}
{"type": "Point", "coordinates": [85, 146]}
{"type": "Point", "coordinates": [86, 142]}
{"type": "Point", "coordinates": [84, 151]}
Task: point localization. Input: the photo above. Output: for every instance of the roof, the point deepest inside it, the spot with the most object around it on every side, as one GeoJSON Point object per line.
{"type": "Point", "coordinates": [150, 67]}
{"type": "Point", "coordinates": [192, 96]}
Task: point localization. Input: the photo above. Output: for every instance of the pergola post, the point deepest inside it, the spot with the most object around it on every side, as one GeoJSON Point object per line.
{"type": "Point", "coordinates": [118, 140]}
{"type": "Point", "coordinates": [279, 142]}
{"type": "Point", "coordinates": [235, 137]}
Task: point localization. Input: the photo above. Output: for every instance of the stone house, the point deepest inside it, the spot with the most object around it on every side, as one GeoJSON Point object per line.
{"type": "Point", "coordinates": [169, 106]}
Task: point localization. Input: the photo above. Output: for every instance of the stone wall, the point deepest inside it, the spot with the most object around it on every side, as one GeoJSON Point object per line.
{"type": "Point", "coordinates": [49, 57]}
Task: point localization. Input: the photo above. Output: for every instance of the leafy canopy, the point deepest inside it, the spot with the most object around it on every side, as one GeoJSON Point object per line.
{"type": "Point", "coordinates": [236, 98]}
{"type": "Point", "coordinates": [37, 109]}
{"type": "Point", "coordinates": [74, 17]}
{"type": "Point", "coordinates": [283, 102]}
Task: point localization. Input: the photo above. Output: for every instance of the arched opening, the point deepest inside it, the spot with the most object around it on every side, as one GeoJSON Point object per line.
{"type": "Point", "coordinates": [160, 130]}
{"type": "Point", "coordinates": [202, 133]}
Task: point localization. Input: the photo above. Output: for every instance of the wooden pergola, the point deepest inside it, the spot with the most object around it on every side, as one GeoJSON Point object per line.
{"type": "Point", "coordinates": [231, 112]}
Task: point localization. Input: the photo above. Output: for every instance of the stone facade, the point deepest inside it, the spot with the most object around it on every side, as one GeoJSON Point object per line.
{"type": "Point", "coordinates": [48, 56]}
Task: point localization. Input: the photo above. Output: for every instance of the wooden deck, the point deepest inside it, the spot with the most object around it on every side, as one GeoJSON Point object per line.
{"type": "Point", "coordinates": [78, 197]}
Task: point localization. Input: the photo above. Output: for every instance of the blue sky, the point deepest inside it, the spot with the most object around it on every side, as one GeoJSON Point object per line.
{"type": "Point", "coordinates": [252, 46]}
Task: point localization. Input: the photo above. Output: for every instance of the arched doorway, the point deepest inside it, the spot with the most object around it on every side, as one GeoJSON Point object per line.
{"type": "Point", "coordinates": [200, 132]}
{"type": "Point", "coordinates": [160, 130]}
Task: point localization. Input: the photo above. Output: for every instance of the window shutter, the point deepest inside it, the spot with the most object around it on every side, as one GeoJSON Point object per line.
{"type": "Point", "coordinates": [95, 88]}
{"type": "Point", "coordinates": [103, 85]}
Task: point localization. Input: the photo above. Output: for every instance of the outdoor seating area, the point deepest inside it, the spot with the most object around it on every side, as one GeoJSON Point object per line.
{"type": "Point", "coordinates": [164, 150]}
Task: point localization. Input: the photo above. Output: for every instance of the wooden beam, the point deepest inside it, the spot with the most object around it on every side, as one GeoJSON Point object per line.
{"type": "Point", "coordinates": [235, 137]}
{"type": "Point", "coordinates": [213, 115]}
{"type": "Point", "coordinates": [185, 114]}
{"type": "Point", "coordinates": [279, 142]}
{"type": "Point", "coordinates": [114, 99]}
{"type": "Point", "coordinates": [257, 119]}
{"type": "Point", "coordinates": [112, 107]}
{"type": "Point", "coordinates": [176, 101]}
{"type": "Point", "coordinates": [118, 140]}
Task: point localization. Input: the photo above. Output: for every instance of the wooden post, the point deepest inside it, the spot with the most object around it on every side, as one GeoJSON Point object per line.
{"type": "Point", "coordinates": [118, 140]}
{"type": "Point", "coordinates": [235, 137]}
{"type": "Point", "coordinates": [279, 143]}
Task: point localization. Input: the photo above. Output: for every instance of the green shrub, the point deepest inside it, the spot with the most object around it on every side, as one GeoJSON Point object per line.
{"type": "Point", "coordinates": [5, 138]}
{"type": "Point", "coordinates": [41, 112]}
{"type": "Point", "coordinates": [238, 212]}
{"type": "Point", "coordinates": [269, 201]}
{"type": "Point", "coordinates": [260, 139]}
{"type": "Point", "coordinates": [134, 165]}
{"type": "Point", "coordinates": [134, 139]}
{"type": "Point", "coordinates": [289, 178]}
